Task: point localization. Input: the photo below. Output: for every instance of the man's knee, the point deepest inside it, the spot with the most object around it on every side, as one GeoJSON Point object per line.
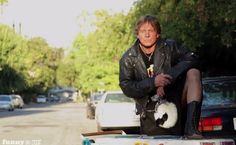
{"type": "Point", "coordinates": [193, 74]}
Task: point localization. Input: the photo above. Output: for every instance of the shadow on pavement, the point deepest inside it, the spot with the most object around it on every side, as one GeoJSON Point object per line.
{"type": "Point", "coordinates": [22, 112]}
{"type": "Point", "coordinates": [30, 109]}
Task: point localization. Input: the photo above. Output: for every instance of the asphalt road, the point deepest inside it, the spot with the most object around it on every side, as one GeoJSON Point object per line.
{"type": "Point", "coordinates": [45, 124]}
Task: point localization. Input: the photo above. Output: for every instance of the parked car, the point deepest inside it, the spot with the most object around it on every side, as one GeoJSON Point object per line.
{"type": "Point", "coordinates": [116, 111]}
{"type": "Point", "coordinates": [218, 116]}
{"type": "Point", "coordinates": [56, 98]}
{"type": "Point", "coordinates": [6, 102]}
{"type": "Point", "coordinates": [41, 99]}
{"type": "Point", "coordinates": [53, 98]}
{"type": "Point", "coordinates": [91, 105]}
{"type": "Point", "coordinates": [18, 101]}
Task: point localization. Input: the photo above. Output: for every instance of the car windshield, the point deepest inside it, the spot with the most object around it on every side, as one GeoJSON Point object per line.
{"type": "Point", "coordinates": [118, 98]}
{"type": "Point", "coordinates": [219, 93]}
{"type": "Point", "coordinates": [41, 97]}
{"type": "Point", "coordinates": [4, 98]}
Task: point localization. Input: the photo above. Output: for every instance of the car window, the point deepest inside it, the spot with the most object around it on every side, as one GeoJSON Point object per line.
{"type": "Point", "coordinates": [118, 98]}
{"type": "Point", "coordinates": [219, 93]}
{"type": "Point", "coordinates": [5, 98]}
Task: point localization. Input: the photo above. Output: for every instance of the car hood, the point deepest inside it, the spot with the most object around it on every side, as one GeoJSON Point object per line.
{"type": "Point", "coordinates": [5, 102]}
{"type": "Point", "coordinates": [118, 109]}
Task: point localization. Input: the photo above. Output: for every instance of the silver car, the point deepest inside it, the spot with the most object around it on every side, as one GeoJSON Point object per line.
{"type": "Point", "coordinates": [6, 102]}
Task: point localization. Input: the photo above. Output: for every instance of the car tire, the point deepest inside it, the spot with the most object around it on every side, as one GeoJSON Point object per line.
{"type": "Point", "coordinates": [11, 109]}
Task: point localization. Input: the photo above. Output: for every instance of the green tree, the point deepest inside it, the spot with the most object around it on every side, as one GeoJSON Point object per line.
{"type": "Point", "coordinates": [98, 61]}
{"type": "Point", "coordinates": [26, 64]}
{"type": "Point", "coordinates": [3, 1]}
{"type": "Point", "coordinates": [40, 70]}
{"type": "Point", "coordinates": [11, 80]}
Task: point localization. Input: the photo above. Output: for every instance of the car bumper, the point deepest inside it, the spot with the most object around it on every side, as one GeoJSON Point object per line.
{"type": "Point", "coordinates": [120, 123]}
{"type": "Point", "coordinates": [5, 107]}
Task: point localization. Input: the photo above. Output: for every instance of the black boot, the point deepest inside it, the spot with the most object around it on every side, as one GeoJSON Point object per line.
{"type": "Point", "coordinates": [191, 125]}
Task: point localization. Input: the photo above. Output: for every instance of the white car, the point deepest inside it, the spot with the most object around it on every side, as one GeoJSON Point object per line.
{"type": "Point", "coordinates": [41, 99]}
{"type": "Point", "coordinates": [18, 101]}
{"type": "Point", "coordinates": [116, 111]}
{"type": "Point", "coordinates": [6, 102]}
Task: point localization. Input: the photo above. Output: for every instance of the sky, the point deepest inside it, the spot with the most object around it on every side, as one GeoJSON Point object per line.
{"type": "Point", "coordinates": [55, 20]}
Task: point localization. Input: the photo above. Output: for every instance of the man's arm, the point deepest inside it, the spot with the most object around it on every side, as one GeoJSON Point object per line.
{"type": "Point", "coordinates": [128, 83]}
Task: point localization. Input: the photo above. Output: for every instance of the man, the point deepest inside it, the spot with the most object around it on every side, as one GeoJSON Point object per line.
{"type": "Point", "coordinates": [157, 67]}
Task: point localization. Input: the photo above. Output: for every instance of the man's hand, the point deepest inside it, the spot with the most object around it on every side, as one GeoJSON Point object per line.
{"type": "Point", "coordinates": [160, 91]}
{"type": "Point", "coordinates": [162, 80]}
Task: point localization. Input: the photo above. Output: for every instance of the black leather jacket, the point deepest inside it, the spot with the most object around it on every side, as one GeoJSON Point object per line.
{"type": "Point", "coordinates": [169, 57]}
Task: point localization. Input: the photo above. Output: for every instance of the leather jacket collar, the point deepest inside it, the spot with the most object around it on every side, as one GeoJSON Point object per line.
{"type": "Point", "coordinates": [159, 55]}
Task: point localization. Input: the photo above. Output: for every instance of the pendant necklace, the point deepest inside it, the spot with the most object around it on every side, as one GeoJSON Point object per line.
{"type": "Point", "coordinates": [149, 56]}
